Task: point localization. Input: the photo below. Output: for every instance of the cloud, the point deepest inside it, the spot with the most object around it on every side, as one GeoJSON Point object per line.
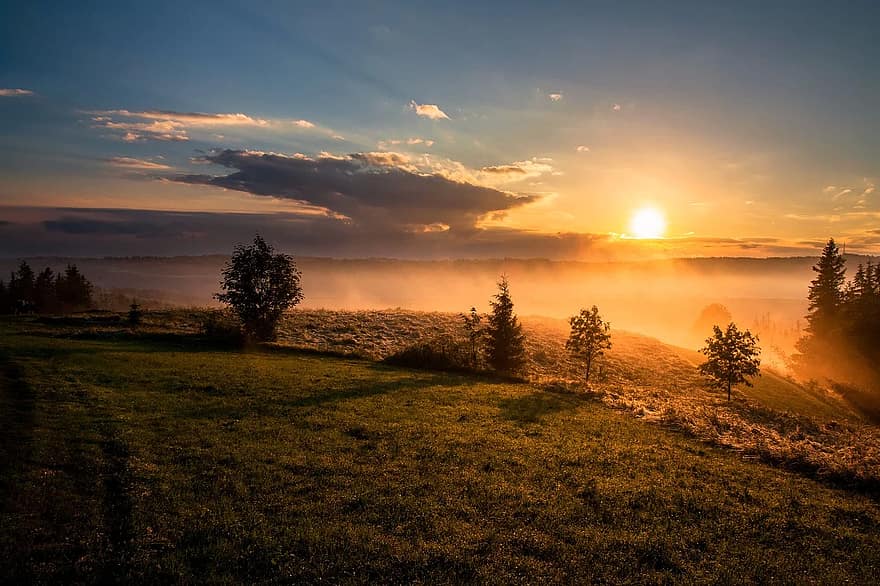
{"type": "Point", "coordinates": [412, 141]}
{"type": "Point", "coordinates": [616, 107]}
{"type": "Point", "coordinates": [136, 164]}
{"type": "Point", "coordinates": [383, 191]}
{"type": "Point", "coordinates": [167, 125]}
{"type": "Point", "coordinates": [431, 111]}
{"type": "Point", "coordinates": [518, 171]}
{"type": "Point", "coordinates": [188, 118]}
{"type": "Point", "coordinates": [163, 130]}
{"type": "Point", "coordinates": [582, 149]}
{"type": "Point", "coordinates": [555, 97]}
{"type": "Point", "coordinates": [14, 92]}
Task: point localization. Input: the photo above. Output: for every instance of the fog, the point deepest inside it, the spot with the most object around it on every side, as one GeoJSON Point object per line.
{"type": "Point", "coordinates": [658, 298]}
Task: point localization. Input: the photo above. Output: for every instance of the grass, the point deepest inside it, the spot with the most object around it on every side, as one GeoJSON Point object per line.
{"type": "Point", "coordinates": [164, 459]}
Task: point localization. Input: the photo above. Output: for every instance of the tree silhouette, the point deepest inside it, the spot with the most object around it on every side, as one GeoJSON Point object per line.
{"type": "Point", "coordinates": [21, 289]}
{"type": "Point", "coordinates": [73, 289]}
{"type": "Point", "coordinates": [826, 290]}
{"type": "Point", "coordinates": [589, 338]}
{"type": "Point", "coordinates": [732, 356]}
{"type": "Point", "coordinates": [45, 292]}
{"type": "Point", "coordinates": [260, 285]}
{"type": "Point", "coordinates": [505, 350]}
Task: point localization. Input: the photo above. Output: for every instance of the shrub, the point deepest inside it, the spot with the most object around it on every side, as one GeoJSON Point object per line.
{"type": "Point", "coordinates": [222, 326]}
{"type": "Point", "coordinates": [440, 353]}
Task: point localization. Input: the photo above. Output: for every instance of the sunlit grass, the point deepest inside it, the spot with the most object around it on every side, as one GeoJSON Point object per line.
{"type": "Point", "coordinates": [168, 460]}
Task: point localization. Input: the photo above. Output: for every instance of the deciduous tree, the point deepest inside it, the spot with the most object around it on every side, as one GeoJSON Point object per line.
{"type": "Point", "coordinates": [731, 356]}
{"type": "Point", "coordinates": [260, 285]}
{"type": "Point", "coordinates": [589, 338]}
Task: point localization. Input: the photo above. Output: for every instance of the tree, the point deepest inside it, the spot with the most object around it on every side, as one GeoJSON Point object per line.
{"type": "Point", "coordinates": [45, 292]}
{"type": "Point", "coordinates": [713, 314]}
{"type": "Point", "coordinates": [134, 314]}
{"type": "Point", "coordinates": [474, 331]}
{"type": "Point", "coordinates": [589, 338]}
{"type": "Point", "coordinates": [5, 303]}
{"type": "Point", "coordinates": [74, 290]}
{"type": "Point", "coordinates": [505, 351]}
{"type": "Point", "coordinates": [21, 289]}
{"type": "Point", "coordinates": [826, 290]}
{"type": "Point", "coordinates": [732, 356]}
{"type": "Point", "coordinates": [260, 285]}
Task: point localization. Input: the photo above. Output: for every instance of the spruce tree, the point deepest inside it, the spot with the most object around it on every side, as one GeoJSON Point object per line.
{"type": "Point", "coordinates": [826, 290]}
{"type": "Point", "coordinates": [505, 340]}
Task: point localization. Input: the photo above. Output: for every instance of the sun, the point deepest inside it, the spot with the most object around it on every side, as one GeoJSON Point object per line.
{"type": "Point", "coordinates": [647, 223]}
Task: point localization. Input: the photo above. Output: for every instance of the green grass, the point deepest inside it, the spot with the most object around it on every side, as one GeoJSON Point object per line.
{"type": "Point", "coordinates": [168, 460]}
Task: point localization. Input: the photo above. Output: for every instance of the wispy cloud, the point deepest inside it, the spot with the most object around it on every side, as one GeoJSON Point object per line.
{"type": "Point", "coordinates": [616, 107]}
{"type": "Point", "coordinates": [431, 111]}
{"type": "Point", "coordinates": [412, 141]}
{"type": "Point", "coordinates": [582, 149]}
{"type": "Point", "coordinates": [166, 125]}
{"type": "Point", "coordinates": [136, 164]}
{"type": "Point", "coordinates": [13, 92]}
{"type": "Point", "coordinates": [555, 96]}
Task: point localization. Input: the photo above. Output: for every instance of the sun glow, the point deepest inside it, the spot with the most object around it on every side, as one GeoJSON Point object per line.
{"type": "Point", "coordinates": [647, 223]}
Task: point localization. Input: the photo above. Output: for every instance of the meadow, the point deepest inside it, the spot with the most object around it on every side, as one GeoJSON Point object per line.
{"type": "Point", "coordinates": [158, 455]}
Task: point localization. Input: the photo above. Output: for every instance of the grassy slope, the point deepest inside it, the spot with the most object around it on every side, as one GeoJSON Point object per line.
{"type": "Point", "coordinates": [167, 460]}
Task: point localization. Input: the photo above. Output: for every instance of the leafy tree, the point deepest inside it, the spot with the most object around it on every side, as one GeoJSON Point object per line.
{"type": "Point", "coordinates": [826, 290]}
{"type": "Point", "coordinates": [589, 338]}
{"type": "Point", "coordinates": [260, 285]}
{"type": "Point", "coordinates": [474, 331]}
{"type": "Point", "coordinates": [731, 356]}
{"type": "Point", "coordinates": [713, 314]}
{"type": "Point", "coordinates": [505, 350]}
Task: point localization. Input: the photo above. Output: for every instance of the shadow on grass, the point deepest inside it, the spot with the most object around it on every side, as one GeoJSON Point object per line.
{"type": "Point", "coordinates": [16, 427]}
{"type": "Point", "coordinates": [536, 406]}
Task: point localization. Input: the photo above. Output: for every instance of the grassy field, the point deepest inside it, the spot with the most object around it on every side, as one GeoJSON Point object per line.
{"type": "Point", "coordinates": [161, 457]}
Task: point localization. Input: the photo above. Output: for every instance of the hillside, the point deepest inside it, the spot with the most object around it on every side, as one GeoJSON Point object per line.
{"type": "Point", "coordinates": [161, 457]}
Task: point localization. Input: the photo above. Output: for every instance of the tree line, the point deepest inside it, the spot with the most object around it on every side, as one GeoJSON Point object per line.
{"type": "Point", "coordinates": [843, 323]}
{"type": "Point", "coordinates": [45, 292]}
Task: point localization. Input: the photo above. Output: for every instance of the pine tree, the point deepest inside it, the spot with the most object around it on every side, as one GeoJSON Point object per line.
{"type": "Point", "coordinates": [74, 290]}
{"type": "Point", "coordinates": [21, 289]}
{"type": "Point", "coordinates": [45, 293]}
{"type": "Point", "coordinates": [505, 340]}
{"type": "Point", "coordinates": [826, 290]}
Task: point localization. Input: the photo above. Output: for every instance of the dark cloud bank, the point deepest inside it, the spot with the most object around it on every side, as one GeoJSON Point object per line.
{"type": "Point", "coordinates": [372, 190]}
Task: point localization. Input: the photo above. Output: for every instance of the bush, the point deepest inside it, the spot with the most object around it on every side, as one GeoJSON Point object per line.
{"type": "Point", "coordinates": [441, 353]}
{"type": "Point", "coordinates": [222, 326]}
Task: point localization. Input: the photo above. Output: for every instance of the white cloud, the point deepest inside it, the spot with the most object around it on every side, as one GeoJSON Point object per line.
{"type": "Point", "coordinates": [13, 92]}
{"type": "Point", "coordinates": [555, 97]}
{"type": "Point", "coordinates": [431, 111]}
{"type": "Point", "coordinates": [583, 149]}
{"type": "Point", "coordinates": [304, 123]}
{"type": "Point", "coordinates": [616, 107]}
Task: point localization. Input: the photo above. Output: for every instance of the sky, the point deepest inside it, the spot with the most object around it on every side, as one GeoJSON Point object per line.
{"type": "Point", "coordinates": [565, 130]}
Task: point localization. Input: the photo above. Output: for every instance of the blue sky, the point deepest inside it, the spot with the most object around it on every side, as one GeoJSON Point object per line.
{"type": "Point", "coordinates": [750, 128]}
